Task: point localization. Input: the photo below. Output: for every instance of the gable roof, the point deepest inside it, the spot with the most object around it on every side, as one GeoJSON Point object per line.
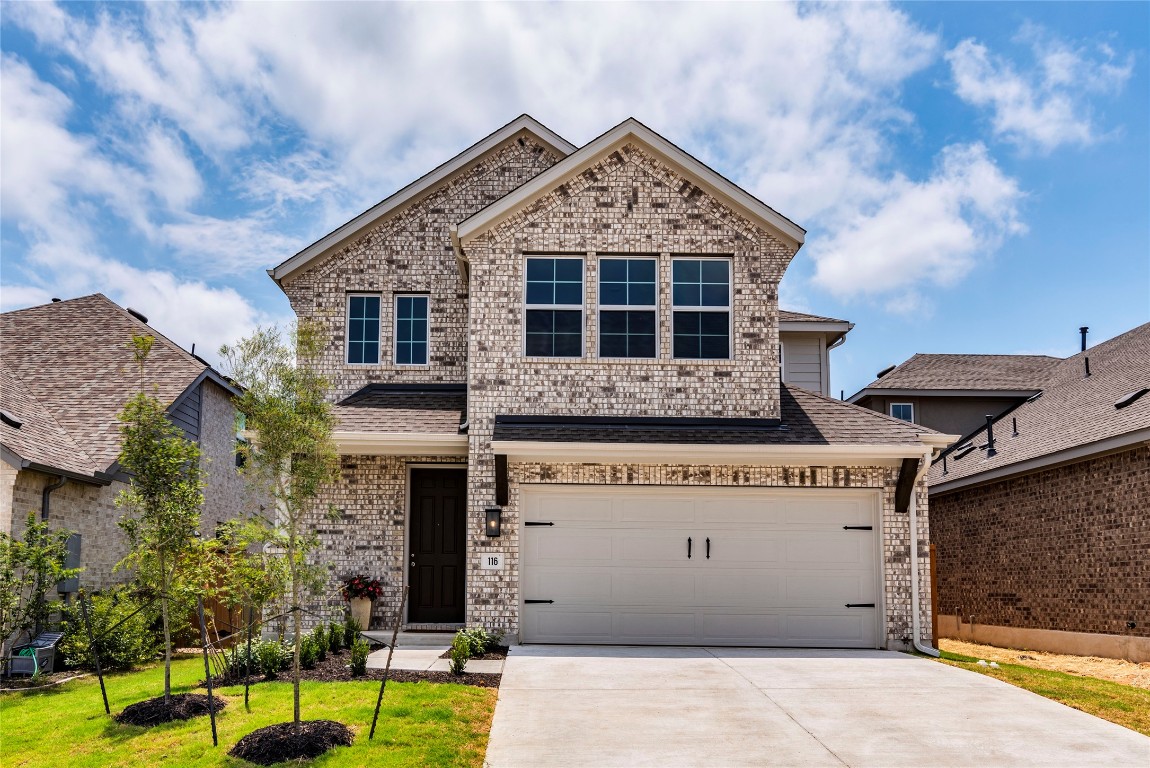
{"type": "Point", "coordinates": [68, 368]}
{"type": "Point", "coordinates": [1074, 416]}
{"type": "Point", "coordinates": [631, 130]}
{"type": "Point", "coordinates": [997, 373]}
{"type": "Point", "coordinates": [787, 316]}
{"type": "Point", "coordinates": [418, 188]}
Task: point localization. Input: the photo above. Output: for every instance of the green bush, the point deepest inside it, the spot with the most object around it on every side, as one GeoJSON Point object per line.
{"type": "Point", "coordinates": [460, 652]}
{"type": "Point", "coordinates": [351, 630]}
{"type": "Point", "coordinates": [273, 656]}
{"type": "Point", "coordinates": [481, 641]}
{"type": "Point", "coordinates": [134, 641]}
{"type": "Point", "coordinates": [308, 653]}
{"type": "Point", "coordinates": [319, 637]}
{"type": "Point", "coordinates": [335, 637]}
{"type": "Point", "coordinates": [359, 651]}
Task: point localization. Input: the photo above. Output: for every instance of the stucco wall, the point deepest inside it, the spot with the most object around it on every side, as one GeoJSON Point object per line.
{"type": "Point", "coordinates": [1063, 549]}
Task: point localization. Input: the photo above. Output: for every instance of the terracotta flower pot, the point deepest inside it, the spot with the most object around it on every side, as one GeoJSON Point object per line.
{"type": "Point", "coordinates": [361, 611]}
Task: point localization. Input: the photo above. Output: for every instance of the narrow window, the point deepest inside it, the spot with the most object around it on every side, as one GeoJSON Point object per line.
{"type": "Point", "coordinates": [362, 329]}
{"type": "Point", "coordinates": [904, 411]}
{"type": "Point", "coordinates": [554, 307]}
{"type": "Point", "coordinates": [627, 307]}
{"type": "Point", "coordinates": [411, 326]}
{"type": "Point", "coordinates": [701, 317]}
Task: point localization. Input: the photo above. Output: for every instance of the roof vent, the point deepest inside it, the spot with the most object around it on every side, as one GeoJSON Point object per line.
{"type": "Point", "coordinates": [1131, 398]}
{"type": "Point", "coordinates": [885, 371]}
{"type": "Point", "coordinates": [990, 436]}
{"type": "Point", "coordinates": [137, 314]}
{"type": "Point", "coordinates": [55, 300]}
{"type": "Point", "coordinates": [1087, 366]}
{"type": "Point", "coordinates": [1034, 397]}
{"type": "Point", "coordinates": [963, 450]}
{"type": "Point", "coordinates": [1083, 331]}
{"type": "Point", "coordinates": [10, 420]}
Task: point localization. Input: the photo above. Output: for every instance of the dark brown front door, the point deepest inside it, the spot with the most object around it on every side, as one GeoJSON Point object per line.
{"type": "Point", "coordinates": [437, 531]}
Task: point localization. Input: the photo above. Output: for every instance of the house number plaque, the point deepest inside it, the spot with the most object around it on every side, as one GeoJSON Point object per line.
{"type": "Point", "coordinates": [491, 562]}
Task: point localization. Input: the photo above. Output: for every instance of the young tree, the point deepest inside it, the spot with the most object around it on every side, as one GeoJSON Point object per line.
{"type": "Point", "coordinates": [162, 505]}
{"type": "Point", "coordinates": [29, 567]}
{"type": "Point", "coordinates": [292, 456]}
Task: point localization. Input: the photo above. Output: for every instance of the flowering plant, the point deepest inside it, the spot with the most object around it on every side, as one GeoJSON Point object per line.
{"type": "Point", "coordinates": [361, 586]}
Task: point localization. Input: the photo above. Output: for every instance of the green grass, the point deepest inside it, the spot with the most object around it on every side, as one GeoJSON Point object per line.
{"type": "Point", "coordinates": [1122, 704]}
{"type": "Point", "coordinates": [419, 724]}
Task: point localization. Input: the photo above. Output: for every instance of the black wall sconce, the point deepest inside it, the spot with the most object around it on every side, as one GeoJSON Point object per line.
{"type": "Point", "coordinates": [494, 520]}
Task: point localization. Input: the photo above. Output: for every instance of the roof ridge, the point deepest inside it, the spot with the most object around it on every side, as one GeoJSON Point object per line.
{"type": "Point", "coordinates": [154, 333]}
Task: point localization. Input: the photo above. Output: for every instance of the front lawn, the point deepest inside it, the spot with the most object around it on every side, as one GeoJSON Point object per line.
{"type": "Point", "coordinates": [419, 724]}
{"type": "Point", "coordinates": [1123, 704]}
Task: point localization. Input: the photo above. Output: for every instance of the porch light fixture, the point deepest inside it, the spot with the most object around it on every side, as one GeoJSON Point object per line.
{"type": "Point", "coordinates": [494, 520]}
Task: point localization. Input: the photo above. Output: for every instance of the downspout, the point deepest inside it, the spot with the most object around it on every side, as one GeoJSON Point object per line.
{"type": "Point", "coordinates": [916, 623]}
{"type": "Point", "coordinates": [45, 497]}
{"type": "Point", "coordinates": [465, 275]}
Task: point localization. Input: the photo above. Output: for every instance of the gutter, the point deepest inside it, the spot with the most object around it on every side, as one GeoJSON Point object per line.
{"type": "Point", "coordinates": [46, 496]}
{"type": "Point", "coordinates": [915, 621]}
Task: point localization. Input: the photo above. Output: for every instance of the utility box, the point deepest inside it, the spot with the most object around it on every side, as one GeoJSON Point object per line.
{"type": "Point", "coordinates": [36, 656]}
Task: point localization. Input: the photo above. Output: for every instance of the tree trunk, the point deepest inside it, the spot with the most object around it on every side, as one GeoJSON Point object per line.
{"type": "Point", "coordinates": [164, 582]}
{"type": "Point", "coordinates": [296, 621]}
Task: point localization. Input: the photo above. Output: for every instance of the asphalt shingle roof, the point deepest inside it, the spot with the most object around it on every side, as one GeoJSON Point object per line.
{"type": "Point", "coordinates": [807, 419]}
{"type": "Point", "coordinates": [1073, 410]}
{"type": "Point", "coordinates": [787, 316]}
{"type": "Point", "coordinates": [68, 370]}
{"type": "Point", "coordinates": [382, 408]}
{"type": "Point", "coordinates": [984, 372]}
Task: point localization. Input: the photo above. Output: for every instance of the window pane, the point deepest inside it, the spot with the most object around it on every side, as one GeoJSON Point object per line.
{"type": "Point", "coordinates": [641, 270]}
{"type": "Point", "coordinates": [613, 322]}
{"type": "Point", "coordinates": [613, 270]}
{"type": "Point", "coordinates": [687, 322]}
{"type": "Point", "coordinates": [370, 331]}
{"type": "Point", "coordinates": [685, 346]}
{"type": "Point", "coordinates": [713, 323]}
{"type": "Point", "coordinates": [363, 329]}
{"type": "Point", "coordinates": [612, 294]}
{"type": "Point", "coordinates": [569, 270]}
{"type": "Point", "coordinates": [355, 352]}
{"type": "Point", "coordinates": [641, 294]}
{"type": "Point", "coordinates": [419, 353]}
{"type": "Point", "coordinates": [540, 344]}
{"type": "Point", "coordinates": [540, 270]}
{"type": "Point", "coordinates": [540, 321]}
{"type": "Point", "coordinates": [568, 321]}
{"type": "Point", "coordinates": [356, 308]}
{"type": "Point", "coordinates": [641, 322]}
{"type": "Point", "coordinates": [568, 345]}
{"type": "Point", "coordinates": [569, 293]}
{"type": "Point", "coordinates": [715, 270]}
{"type": "Point", "coordinates": [403, 353]}
{"type": "Point", "coordinates": [641, 346]}
{"type": "Point", "coordinates": [714, 295]}
{"type": "Point", "coordinates": [702, 335]}
{"type": "Point", "coordinates": [540, 293]}
{"type": "Point", "coordinates": [713, 347]}
{"type": "Point", "coordinates": [685, 271]}
{"type": "Point", "coordinates": [613, 345]}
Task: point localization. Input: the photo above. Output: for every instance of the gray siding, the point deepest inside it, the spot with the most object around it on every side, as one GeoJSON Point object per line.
{"type": "Point", "coordinates": [186, 414]}
{"type": "Point", "coordinates": [803, 361]}
{"type": "Point", "coordinates": [949, 415]}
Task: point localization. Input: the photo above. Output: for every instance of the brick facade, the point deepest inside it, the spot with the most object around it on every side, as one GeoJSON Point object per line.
{"type": "Point", "coordinates": [1060, 549]}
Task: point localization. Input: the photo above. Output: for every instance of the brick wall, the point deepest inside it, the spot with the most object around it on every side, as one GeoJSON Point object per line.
{"type": "Point", "coordinates": [1062, 549]}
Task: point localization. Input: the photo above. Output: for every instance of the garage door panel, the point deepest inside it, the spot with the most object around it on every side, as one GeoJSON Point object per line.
{"type": "Point", "coordinates": [654, 587]}
{"type": "Point", "coordinates": [655, 628]}
{"type": "Point", "coordinates": [638, 510]}
{"type": "Point", "coordinates": [569, 585]}
{"type": "Point", "coordinates": [741, 628]}
{"type": "Point", "coordinates": [750, 548]}
{"type": "Point", "coordinates": [570, 507]}
{"type": "Point", "coordinates": [827, 513]}
{"type": "Point", "coordinates": [832, 630]}
{"type": "Point", "coordinates": [741, 587]}
{"type": "Point", "coordinates": [654, 547]}
{"type": "Point", "coordinates": [574, 547]}
{"type": "Point", "coordinates": [815, 590]}
{"type": "Point", "coordinates": [845, 549]}
{"type": "Point", "coordinates": [569, 626]}
{"type": "Point", "coordinates": [741, 510]}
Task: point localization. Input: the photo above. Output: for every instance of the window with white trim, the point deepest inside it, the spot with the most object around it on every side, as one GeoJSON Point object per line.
{"type": "Point", "coordinates": [553, 306]}
{"type": "Point", "coordinates": [627, 307]}
{"type": "Point", "coordinates": [701, 308]}
{"type": "Point", "coordinates": [412, 319]}
{"type": "Point", "coordinates": [904, 411]}
{"type": "Point", "coordinates": [363, 329]}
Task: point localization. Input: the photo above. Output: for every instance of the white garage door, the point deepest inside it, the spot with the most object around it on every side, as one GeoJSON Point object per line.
{"type": "Point", "coordinates": [694, 566]}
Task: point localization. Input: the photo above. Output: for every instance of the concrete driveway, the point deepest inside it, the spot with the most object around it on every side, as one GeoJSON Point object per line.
{"type": "Point", "coordinates": [626, 706]}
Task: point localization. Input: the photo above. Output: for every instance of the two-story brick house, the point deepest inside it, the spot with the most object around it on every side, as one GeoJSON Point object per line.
{"type": "Point", "coordinates": [561, 412]}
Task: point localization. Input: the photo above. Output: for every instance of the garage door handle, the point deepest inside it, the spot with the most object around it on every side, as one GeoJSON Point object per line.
{"type": "Point", "coordinates": [536, 602]}
{"type": "Point", "coordinates": [851, 527]}
{"type": "Point", "coordinates": [860, 605]}
{"type": "Point", "coordinates": [688, 547]}
{"type": "Point", "coordinates": [708, 547]}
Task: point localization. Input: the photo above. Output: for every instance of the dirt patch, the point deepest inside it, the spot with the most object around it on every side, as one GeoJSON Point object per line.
{"type": "Point", "coordinates": [1115, 670]}
{"type": "Point", "coordinates": [182, 706]}
{"type": "Point", "coordinates": [284, 742]}
{"type": "Point", "coordinates": [336, 668]}
{"type": "Point", "coordinates": [499, 653]}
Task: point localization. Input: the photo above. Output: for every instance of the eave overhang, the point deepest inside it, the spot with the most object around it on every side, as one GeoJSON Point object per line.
{"type": "Point", "coordinates": [910, 392]}
{"type": "Point", "coordinates": [400, 443]}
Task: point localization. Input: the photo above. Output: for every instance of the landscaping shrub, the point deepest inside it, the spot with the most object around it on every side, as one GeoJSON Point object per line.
{"type": "Point", "coordinates": [359, 651]}
{"type": "Point", "coordinates": [460, 652]}
{"type": "Point", "coordinates": [481, 641]}
{"type": "Point", "coordinates": [308, 653]}
{"type": "Point", "coordinates": [335, 637]}
{"type": "Point", "coordinates": [351, 630]}
{"type": "Point", "coordinates": [319, 637]}
{"type": "Point", "coordinates": [273, 656]}
{"type": "Point", "coordinates": [135, 641]}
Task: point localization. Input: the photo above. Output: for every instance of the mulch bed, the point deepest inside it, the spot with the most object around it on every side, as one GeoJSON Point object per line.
{"type": "Point", "coordinates": [336, 669]}
{"type": "Point", "coordinates": [184, 706]}
{"type": "Point", "coordinates": [498, 654]}
{"type": "Point", "coordinates": [26, 683]}
{"type": "Point", "coordinates": [284, 742]}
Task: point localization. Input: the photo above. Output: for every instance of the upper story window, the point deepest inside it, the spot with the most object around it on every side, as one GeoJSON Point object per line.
{"type": "Point", "coordinates": [411, 329]}
{"type": "Point", "coordinates": [554, 306]}
{"type": "Point", "coordinates": [904, 411]}
{"type": "Point", "coordinates": [701, 301]}
{"type": "Point", "coordinates": [363, 329]}
{"type": "Point", "coordinates": [627, 309]}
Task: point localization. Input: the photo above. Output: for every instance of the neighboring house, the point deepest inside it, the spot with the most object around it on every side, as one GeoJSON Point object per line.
{"type": "Point", "coordinates": [1042, 535]}
{"type": "Point", "coordinates": [66, 371]}
{"type": "Point", "coordinates": [561, 413]}
{"type": "Point", "coordinates": [955, 393]}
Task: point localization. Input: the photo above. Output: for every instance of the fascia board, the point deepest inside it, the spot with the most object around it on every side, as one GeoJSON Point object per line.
{"type": "Point", "coordinates": [810, 326]}
{"type": "Point", "coordinates": [631, 130]}
{"type": "Point", "coordinates": [400, 444]}
{"type": "Point", "coordinates": [665, 453]}
{"type": "Point", "coordinates": [1050, 460]}
{"type": "Point", "coordinates": [904, 392]}
{"type": "Point", "coordinates": [417, 188]}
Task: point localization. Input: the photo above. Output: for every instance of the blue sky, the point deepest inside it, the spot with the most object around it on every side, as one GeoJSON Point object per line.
{"type": "Point", "coordinates": [974, 177]}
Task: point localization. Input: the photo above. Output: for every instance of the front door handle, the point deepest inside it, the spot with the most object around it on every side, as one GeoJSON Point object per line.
{"type": "Point", "coordinates": [688, 547]}
{"type": "Point", "coordinates": [708, 547]}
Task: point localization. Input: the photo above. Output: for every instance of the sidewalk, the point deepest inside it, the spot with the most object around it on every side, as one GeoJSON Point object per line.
{"type": "Point", "coordinates": [426, 659]}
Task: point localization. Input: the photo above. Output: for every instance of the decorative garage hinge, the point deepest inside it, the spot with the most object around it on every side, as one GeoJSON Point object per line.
{"type": "Point", "coordinates": [847, 527]}
{"type": "Point", "coordinates": [535, 602]}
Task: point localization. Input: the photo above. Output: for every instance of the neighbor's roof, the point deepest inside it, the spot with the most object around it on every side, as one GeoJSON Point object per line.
{"type": "Point", "coordinates": [629, 131]}
{"type": "Point", "coordinates": [420, 187]}
{"type": "Point", "coordinates": [1074, 416]}
{"type": "Point", "coordinates": [1012, 373]}
{"type": "Point", "coordinates": [787, 316]}
{"type": "Point", "coordinates": [69, 368]}
{"type": "Point", "coordinates": [400, 408]}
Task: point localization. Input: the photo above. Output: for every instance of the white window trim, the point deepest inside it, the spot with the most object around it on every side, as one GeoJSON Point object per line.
{"type": "Point", "coordinates": [730, 307]}
{"type": "Point", "coordinates": [524, 306]}
{"type": "Point", "coordinates": [890, 411]}
{"type": "Point", "coordinates": [600, 308]}
{"type": "Point", "coordinates": [395, 329]}
{"type": "Point", "coordinates": [347, 330]}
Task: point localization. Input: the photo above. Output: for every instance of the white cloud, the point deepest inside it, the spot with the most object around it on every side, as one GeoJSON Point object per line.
{"type": "Point", "coordinates": [228, 246]}
{"type": "Point", "coordinates": [926, 232]}
{"type": "Point", "coordinates": [1049, 105]}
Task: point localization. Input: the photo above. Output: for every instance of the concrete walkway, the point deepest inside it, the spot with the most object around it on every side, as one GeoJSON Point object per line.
{"type": "Point", "coordinates": [426, 659]}
{"type": "Point", "coordinates": [626, 706]}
